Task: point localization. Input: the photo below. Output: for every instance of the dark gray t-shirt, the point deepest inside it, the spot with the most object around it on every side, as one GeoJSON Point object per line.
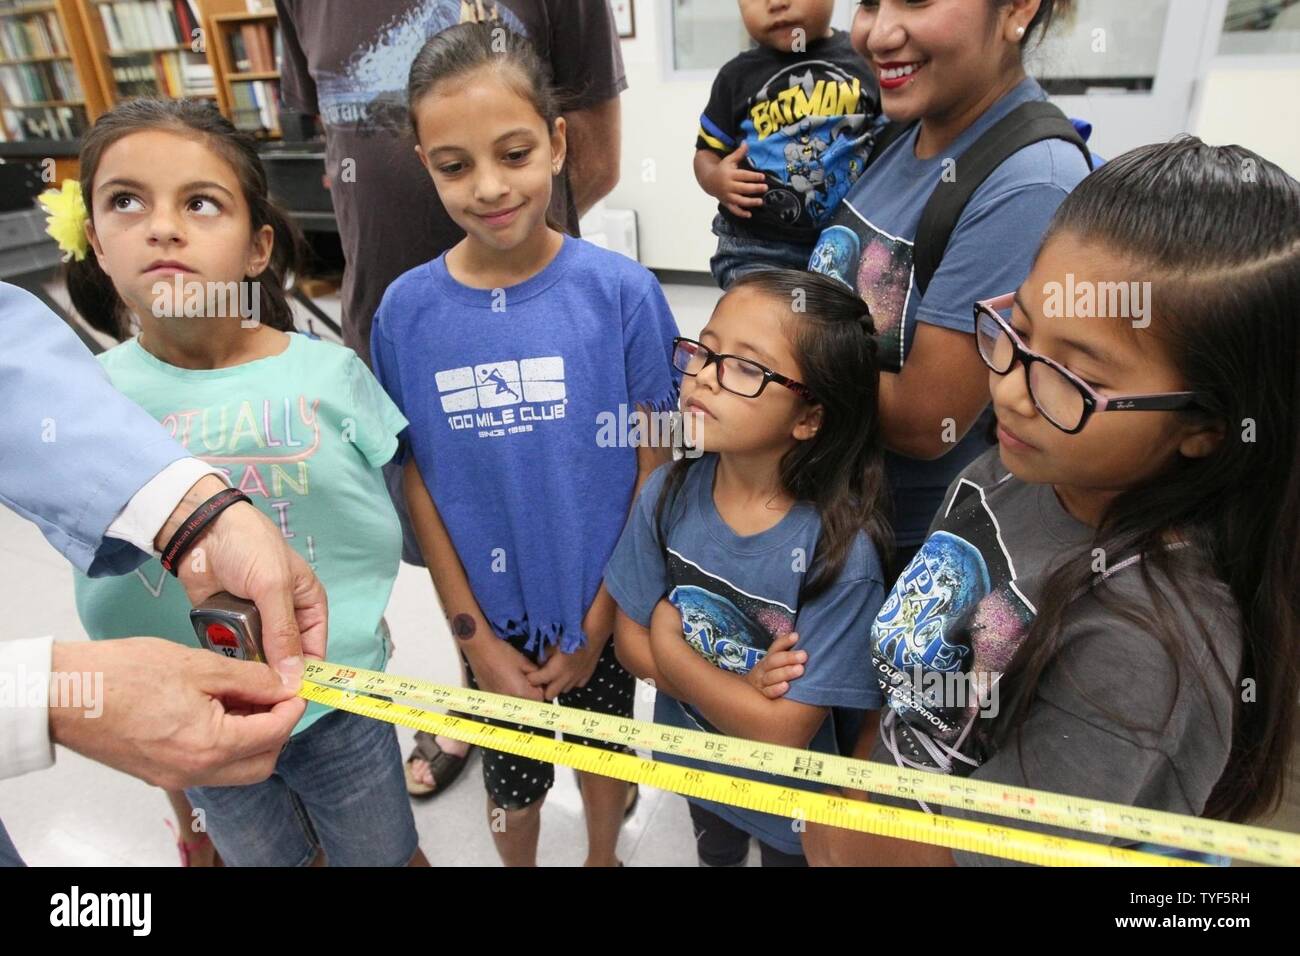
{"type": "Point", "coordinates": [1113, 718]}
{"type": "Point", "coordinates": [349, 60]}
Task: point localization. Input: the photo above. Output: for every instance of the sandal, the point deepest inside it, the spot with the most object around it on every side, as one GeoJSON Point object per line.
{"type": "Point", "coordinates": [187, 847]}
{"type": "Point", "coordinates": [445, 767]}
{"type": "Point", "coordinates": [634, 796]}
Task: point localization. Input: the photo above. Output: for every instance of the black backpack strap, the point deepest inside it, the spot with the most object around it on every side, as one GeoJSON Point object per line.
{"type": "Point", "coordinates": [1028, 123]}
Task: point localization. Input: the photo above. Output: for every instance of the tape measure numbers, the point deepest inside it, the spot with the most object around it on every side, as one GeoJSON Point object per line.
{"type": "Point", "coordinates": [902, 824]}
{"type": "Point", "coordinates": [359, 691]}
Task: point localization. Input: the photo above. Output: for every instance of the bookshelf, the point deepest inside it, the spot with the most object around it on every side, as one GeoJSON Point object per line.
{"type": "Point", "coordinates": [65, 62]}
{"type": "Point", "coordinates": [45, 60]}
{"type": "Point", "coordinates": [246, 47]}
{"type": "Point", "coordinates": [148, 48]}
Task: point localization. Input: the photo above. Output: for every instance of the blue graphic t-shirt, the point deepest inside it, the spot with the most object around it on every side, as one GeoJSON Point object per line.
{"type": "Point", "coordinates": [868, 246]}
{"type": "Point", "coordinates": [522, 403]}
{"type": "Point", "coordinates": [736, 594]}
{"type": "Point", "coordinates": [809, 119]}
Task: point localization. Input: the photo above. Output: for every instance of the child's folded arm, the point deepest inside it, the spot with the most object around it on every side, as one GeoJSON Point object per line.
{"type": "Point", "coordinates": [632, 648]}
{"type": "Point", "coordinates": [727, 700]}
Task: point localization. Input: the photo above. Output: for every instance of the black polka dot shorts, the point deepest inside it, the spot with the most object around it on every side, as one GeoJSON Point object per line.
{"type": "Point", "coordinates": [513, 782]}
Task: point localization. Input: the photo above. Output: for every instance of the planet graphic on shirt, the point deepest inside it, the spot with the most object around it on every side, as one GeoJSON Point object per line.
{"type": "Point", "coordinates": [836, 254]}
{"type": "Point", "coordinates": [718, 630]}
{"type": "Point", "coordinates": [919, 623]}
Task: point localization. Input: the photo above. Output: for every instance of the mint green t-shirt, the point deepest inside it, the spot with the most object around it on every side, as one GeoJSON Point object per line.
{"type": "Point", "coordinates": [304, 434]}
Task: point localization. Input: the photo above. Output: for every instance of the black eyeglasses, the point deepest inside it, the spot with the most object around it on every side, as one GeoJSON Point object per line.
{"type": "Point", "coordinates": [740, 376]}
{"type": "Point", "coordinates": [1060, 396]}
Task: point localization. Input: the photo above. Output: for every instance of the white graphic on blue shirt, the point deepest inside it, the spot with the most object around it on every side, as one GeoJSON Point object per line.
{"type": "Point", "coordinates": [505, 397]}
{"type": "Point", "coordinates": [369, 92]}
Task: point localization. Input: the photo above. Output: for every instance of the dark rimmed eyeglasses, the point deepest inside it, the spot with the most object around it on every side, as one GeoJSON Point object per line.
{"type": "Point", "coordinates": [740, 376]}
{"type": "Point", "coordinates": [1060, 396]}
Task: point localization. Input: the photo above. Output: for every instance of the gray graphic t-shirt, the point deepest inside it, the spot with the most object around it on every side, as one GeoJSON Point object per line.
{"type": "Point", "coordinates": [1113, 718]}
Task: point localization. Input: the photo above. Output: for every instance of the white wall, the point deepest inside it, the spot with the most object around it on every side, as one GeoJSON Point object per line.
{"type": "Point", "coordinates": [660, 118]}
{"type": "Point", "coordinates": [1253, 101]}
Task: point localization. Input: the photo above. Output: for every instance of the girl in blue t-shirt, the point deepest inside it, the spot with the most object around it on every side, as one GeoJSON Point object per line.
{"type": "Point", "coordinates": [521, 358]}
{"type": "Point", "coordinates": [185, 241]}
{"type": "Point", "coordinates": [768, 537]}
{"type": "Point", "coordinates": [953, 70]}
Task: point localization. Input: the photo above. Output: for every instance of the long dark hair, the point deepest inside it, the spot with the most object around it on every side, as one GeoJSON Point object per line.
{"type": "Point", "coordinates": [90, 288]}
{"type": "Point", "coordinates": [841, 469]}
{"type": "Point", "coordinates": [470, 47]}
{"type": "Point", "coordinates": [1218, 230]}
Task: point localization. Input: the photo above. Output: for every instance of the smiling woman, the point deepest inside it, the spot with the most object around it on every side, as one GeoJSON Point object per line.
{"type": "Point", "coordinates": [952, 70]}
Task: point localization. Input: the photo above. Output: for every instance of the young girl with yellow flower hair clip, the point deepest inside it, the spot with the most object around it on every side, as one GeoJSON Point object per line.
{"type": "Point", "coordinates": [176, 213]}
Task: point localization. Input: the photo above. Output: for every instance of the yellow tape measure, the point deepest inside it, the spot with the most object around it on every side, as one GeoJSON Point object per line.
{"type": "Point", "coordinates": [361, 692]}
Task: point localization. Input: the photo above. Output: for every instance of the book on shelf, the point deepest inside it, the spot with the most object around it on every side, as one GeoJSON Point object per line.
{"type": "Point", "coordinates": [35, 34]}
{"type": "Point", "coordinates": [174, 74]}
{"type": "Point", "coordinates": [54, 122]}
{"type": "Point", "coordinates": [255, 48]}
{"type": "Point", "coordinates": [256, 105]}
{"type": "Point", "coordinates": [26, 83]}
{"type": "Point", "coordinates": [133, 25]}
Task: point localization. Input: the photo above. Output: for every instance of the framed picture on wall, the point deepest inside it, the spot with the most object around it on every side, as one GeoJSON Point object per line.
{"type": "Point", "coordinates": [624, 18]}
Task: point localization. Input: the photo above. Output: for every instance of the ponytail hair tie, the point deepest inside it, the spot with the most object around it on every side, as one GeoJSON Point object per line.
{"type": "Point", "coordinates": [65, 219]}
{"type": "Point", "coordinates": [867, 323]}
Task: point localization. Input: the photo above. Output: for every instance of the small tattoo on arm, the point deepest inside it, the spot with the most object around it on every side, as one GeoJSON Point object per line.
{"type": "Point", "coordinates": [462, 625]}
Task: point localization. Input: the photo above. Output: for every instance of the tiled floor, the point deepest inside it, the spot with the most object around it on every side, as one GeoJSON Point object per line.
{"type": "Point", "coordinates": [81, 813]}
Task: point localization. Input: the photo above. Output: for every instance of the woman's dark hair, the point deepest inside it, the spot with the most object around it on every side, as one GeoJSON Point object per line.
{"type": "Point", "coordinates": [471, 47]}
{"type": "Point", "coordinates": [841, 469]}
{"type": "Point", "coordinates": [1041, 21]}
{"type": "Point", "coordinates": [90, 288]}
{"type": "Point", "coordinates": [1217, 229]}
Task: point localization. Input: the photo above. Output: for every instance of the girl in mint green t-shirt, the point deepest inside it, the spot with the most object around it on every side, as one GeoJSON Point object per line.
{"type": "Point", "coordinates": [185, 241]}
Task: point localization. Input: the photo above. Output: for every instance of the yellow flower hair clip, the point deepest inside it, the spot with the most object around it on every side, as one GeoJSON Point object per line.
{"type": "Point", "coordinates": [65, 219]}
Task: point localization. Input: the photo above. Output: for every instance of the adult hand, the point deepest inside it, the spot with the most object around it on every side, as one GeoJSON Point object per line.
{"type": "Point", "coordinates": [244, 553]}
{"type": "Point", "coordinates": [174, 716]}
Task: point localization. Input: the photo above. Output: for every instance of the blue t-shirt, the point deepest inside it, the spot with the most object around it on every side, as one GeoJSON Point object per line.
{"type": "Point", "coordinates": [736, 594]}
{"type": "Point", "coordinates": [869, 247]}
{"type": "Point", "coordinates": [522, 402]}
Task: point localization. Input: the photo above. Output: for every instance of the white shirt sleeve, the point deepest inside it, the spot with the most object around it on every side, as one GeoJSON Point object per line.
{"type": "Point", "coordinates": [148, 510]}
{"type": "Point", "coordinates": [24, 712]}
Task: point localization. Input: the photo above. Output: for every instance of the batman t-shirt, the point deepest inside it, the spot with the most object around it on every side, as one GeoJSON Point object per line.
{"type": "Point", "coordinates": [809, 119]}
{"type": "Point", "coordinates": [349, 61]}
